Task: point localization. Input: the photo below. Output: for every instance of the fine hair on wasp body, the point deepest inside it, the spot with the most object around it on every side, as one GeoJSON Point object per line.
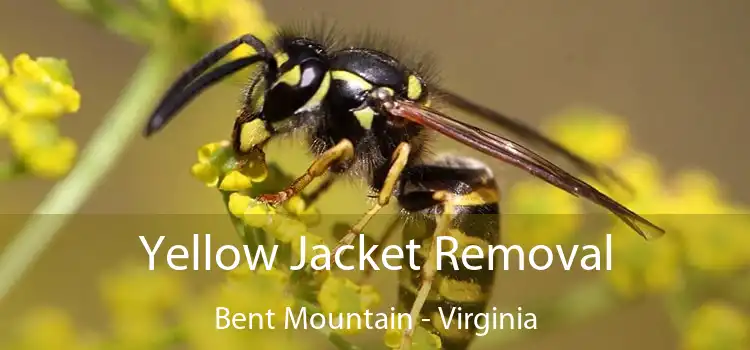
{"type": "Point", "coordinates": [367, 114]}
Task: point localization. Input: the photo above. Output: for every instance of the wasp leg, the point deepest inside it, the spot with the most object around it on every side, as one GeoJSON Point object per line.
{"type": "Point", "coordinates": [314, 195]}
{"type": "Point", "coordinates": [341, 152]}
{"type": "Point", "coordinates": [398, 163]}
{"type": "Point", "coordinates": [457, 198]}
{"type": "Point", "coordinates": [429, 268]}
{"type": "Point", "coordinates": [389, 231]}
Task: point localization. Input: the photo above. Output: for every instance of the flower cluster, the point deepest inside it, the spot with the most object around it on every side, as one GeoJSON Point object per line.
{"type": "Point", "coordinates": [37, 92]}
{"type": "Point", "coordinates": [233, 18]}
{"type": "Point", "coordinates": [706, 234]}
{"type": "Point", "coordinates": [216, 167]}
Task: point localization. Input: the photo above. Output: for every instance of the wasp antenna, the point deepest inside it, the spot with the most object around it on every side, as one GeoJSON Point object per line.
{"type": "Point", "coordinates": [191, 83]}
{"type": "Point", "coordinates": [169, 107]}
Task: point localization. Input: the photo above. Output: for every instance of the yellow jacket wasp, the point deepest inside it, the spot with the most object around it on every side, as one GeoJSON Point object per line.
{"type": "Point", "coordinates": [367, 114]}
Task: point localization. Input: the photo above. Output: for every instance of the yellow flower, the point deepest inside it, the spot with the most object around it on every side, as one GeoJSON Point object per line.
{"type": "Point", "coordinates": [53, 161]}
{"type": "Point", "coordinates": [597, 136]}
{"type": "Point", "coordinates": [234, 18]}
{"type": "Point", "coordinates": [257, 214]}
{"type": "Point", "coordinates": [206, 173]}
{"type": "Point", "coordinates": [716, 325]}
{"type": "Point", "coordinates": [48, 328]}
{"type": "Point", "coordinates": [41, 148]}
{"type": "Point", "coordinates": [199, 10]}
{"type": "Point", "coordinates": [256, 292]}
{"type": "Point", "coordinates": [421, 340]}
{"type": "Point", "coordinates": [287, 229]}
{"type": "Point", "coordinates": [41, 88]}
{"type": "Point", "coordinates": [642, 172]}
{"type": "Point", "coordinates": [207, 152]}
{"type": "Point", "coordinates": [342, 296]}
{"type": "Point", "coordinates": [540, 214]}
{"type": "Point", "coordinates": [215, 160]}
{"type": "Point", "coordinates": [137, 288]}
{"type": "Point", "coordinates": [640, 267]}
{"type": "Point", "coordinates": [297, 207]}
{"type": "Point", "coordinates": [235, 181]}
{"type": "Point", "coordinates": [4, 69]}
{"type": "Point", "coordinates": [311, 240]}
{"type": "Point", "coordinates": [6, 116]}
{"type": "Point", "coordinates": [252, 212]}
{"type": "Point", "coordinates": [137, 300]}
{"type": "Point", "coordinates": [713, 233]}
{"type": "Point", "coordinates": [242, 17]}
{"type": "Point", "coordinates": [238, 204]}
{"type": "Point", "coordinates": [651, 197]}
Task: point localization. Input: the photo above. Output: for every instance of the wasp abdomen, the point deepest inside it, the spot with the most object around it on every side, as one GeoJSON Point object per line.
{"type": "Point", "coordinates": [463, 284]}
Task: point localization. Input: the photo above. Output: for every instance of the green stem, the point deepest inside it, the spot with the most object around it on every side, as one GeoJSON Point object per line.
{"type": "Point", "coordinates": [96, 161]}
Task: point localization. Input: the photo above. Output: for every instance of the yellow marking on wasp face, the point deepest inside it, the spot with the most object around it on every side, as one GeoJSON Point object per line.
{"type": "Point", "coordinates": [480, 196]}
{"type": "Point", "coordinates": [460, 291]}
{"type": "Point", "coordinates": [281, 58]}
{"type": "Point", "coordinates": [291, 77]}
{"type": "Point", "coordinates": [365, 117]}
{"type": "Point", "coordinates": [252, 134]}
{"type": "Point", "coordinates": [413, 88]}
{"type": "Point", "coordinates": [351, 78]}
{"type": "Point", "coordinates": [320, 94]}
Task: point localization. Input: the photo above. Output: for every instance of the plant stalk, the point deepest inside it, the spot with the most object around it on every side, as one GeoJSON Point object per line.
{"type": "Point", "coordinates": [123, 121]}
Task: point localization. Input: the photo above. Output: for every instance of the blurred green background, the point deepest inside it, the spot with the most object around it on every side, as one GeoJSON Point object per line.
{"type": "Point", "coordinates": [675, 70]}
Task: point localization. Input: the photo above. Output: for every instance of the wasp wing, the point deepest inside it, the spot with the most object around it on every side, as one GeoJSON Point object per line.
{"type": "Point", "coordinates": [529, 134]}
{"type": "Point", "coordinates": [519, 156]}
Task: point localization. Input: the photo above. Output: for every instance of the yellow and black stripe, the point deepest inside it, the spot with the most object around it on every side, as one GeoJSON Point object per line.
{"type": "Point", "coordinates": [472, 199]}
